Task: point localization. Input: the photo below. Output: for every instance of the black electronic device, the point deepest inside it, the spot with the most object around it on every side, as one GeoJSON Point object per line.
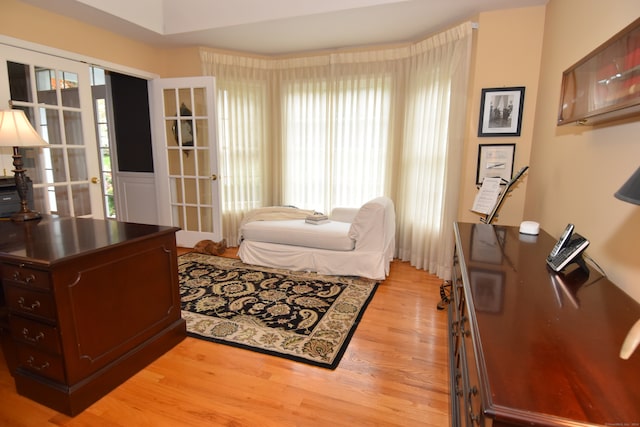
{"type": "Point", "coordinates": [562, 242]}
{"type": "Point", "coordinates": [570, 253]}
{"type": "Point", "coordinates": [9, 198]}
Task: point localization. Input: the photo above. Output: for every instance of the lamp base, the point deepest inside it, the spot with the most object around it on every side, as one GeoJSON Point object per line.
{"type": "Point", "coordinates": [25, 216]}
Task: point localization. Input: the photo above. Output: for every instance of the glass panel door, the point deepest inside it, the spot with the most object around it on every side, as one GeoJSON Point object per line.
{"type": "Point", "coordinates": [53, 93]}
{"type": "Point", "coordinates": [188, 172]}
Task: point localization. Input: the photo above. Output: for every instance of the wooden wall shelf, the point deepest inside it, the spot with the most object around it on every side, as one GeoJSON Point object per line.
{"type": "Point", "coordinates": [604, 85]}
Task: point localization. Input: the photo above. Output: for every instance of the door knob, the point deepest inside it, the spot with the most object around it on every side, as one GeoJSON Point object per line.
{"type": "Point", "coordinates": [214, 177]}
{"type": "Point", "coordinates": [94, 180]}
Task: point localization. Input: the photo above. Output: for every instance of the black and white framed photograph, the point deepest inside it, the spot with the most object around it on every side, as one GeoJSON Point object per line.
{"type": "Point", "coordinates": [495, 161]}
{"type": "Point", "coordinates": [488, 288]}
{"type": "Point", "coordinates": [501, 111]}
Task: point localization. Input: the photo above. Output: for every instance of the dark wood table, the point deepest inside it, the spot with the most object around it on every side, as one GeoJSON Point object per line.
{"type": "Point", "coordinates": [529, 347]}
{"type": "Point", "coordinates": [89, 302]}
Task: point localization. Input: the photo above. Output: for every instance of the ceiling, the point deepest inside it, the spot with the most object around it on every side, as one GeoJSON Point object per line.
{"type": "Point", "coordinates": [275, 27]}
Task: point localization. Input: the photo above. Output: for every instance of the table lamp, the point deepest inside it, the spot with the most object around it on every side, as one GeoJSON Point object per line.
{"type": "Point", "coordinates": [630, 192]}
{"type": "Point", "coordinates": [16, 132]}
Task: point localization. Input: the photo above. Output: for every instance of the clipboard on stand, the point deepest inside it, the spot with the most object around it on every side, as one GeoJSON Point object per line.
{"type": "Point", "coordinates": [491, 195]}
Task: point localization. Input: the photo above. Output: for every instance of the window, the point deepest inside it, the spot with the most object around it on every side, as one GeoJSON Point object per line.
{"type": "Point", "coordinates": [242, 154]}
{"type": "Point", "coordinates": [336, 141]}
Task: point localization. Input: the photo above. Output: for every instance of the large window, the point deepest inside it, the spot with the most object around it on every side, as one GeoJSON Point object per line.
{"type": "Point", "coordinates": [340, 128]}
{"type": "Point", "coordinates": [336, 141]}
{"type": "Point", "coordinates": [242, 153]}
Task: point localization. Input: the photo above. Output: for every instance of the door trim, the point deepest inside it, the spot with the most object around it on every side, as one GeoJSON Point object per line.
{"type": "Point", "coordinates": [77, 57]}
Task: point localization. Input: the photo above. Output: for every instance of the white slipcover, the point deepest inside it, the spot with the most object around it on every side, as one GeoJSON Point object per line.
{"type": "Point", "coordinates": [372, 228]}
{"type": "Point", "coordinates": [333, 235]}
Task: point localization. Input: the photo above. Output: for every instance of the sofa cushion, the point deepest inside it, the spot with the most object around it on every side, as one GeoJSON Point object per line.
{"type": "Point", "coordinates": [333, 235]}
{"type": "Point", "coordinates": [343, 214]}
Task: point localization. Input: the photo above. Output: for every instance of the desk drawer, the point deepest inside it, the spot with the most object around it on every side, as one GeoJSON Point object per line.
{"type": "Point", "coordinates": [41, 363]}
{"type": "Point", "coordinates": [21, 300]}
{"type": "Point", "coordinates": [39, 335]}
{"type": "Point", "coordinates": [25, 276]}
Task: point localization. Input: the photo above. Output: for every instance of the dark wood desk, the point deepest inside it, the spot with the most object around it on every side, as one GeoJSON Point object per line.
{"type": "Point", "coordinates": [90, 302]}
{"type": "Point", "coordinates": [528, 347]}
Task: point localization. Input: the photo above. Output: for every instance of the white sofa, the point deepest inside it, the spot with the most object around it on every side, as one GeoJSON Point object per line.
{"type": "Point", "coordinates": [354, 242]}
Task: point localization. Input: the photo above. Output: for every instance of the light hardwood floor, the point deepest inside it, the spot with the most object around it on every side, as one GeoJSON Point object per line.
{"type": "Point", "coordinates": [394, 373]}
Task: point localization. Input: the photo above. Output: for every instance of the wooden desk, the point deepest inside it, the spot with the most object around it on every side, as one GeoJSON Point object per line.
{"type": "Point", "coordinates": [531, 348]}
{"type": "Point", "coordinates": [90, 302]}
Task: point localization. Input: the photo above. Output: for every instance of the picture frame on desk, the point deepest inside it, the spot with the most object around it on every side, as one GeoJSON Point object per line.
{"type": "Point", "coordinates": [487, 287]}
{"type": "Point", "coordinates": [501, 111]}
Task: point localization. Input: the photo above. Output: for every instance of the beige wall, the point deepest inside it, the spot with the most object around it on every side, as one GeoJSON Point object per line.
{"type": "Point", "coordinates": [575, 170]}
{"type": "Point", "coordinates": [508, 51]}
{"type": "Point", "coordinates": [184, 62]}
{"type": "Point", "coordinates": [25, 22]}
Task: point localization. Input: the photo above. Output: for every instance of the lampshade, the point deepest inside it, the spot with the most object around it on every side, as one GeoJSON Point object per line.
{"type": "Point", "coordinates": [16, 131]}
{"type": "Point", "coordinates": [630, 190]}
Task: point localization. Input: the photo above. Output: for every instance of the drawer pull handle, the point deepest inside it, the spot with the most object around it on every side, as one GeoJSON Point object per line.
{"type": "Point", "coordinates": [459, 389]}
{"type": "Point", "coordinates": [31, 360]}
{"type": "Point", "coordinates": [474, 418]}
{"type": "Point", "coordinates": [27, 337]}
{"type": "Point", "coordinates": [30, 278]}
{"type": "Point", "coordinates": [31, 307]}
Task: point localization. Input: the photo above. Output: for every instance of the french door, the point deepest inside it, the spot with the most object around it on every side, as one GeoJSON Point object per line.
{"type": "Point", "coordinates": [186, 157]}
{"type": "Point", "coordinates": [55, 94]}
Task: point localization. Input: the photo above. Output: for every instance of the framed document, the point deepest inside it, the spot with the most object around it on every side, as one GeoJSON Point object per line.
{"type": "Point", "coordinates": [495, 160]}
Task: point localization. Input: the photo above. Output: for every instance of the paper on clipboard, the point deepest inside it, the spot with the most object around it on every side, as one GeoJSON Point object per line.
{"type": "Point", "coordinates": [487, 196]}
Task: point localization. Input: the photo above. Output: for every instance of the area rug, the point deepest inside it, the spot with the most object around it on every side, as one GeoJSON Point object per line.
{"type": "Point", "coordinates": [301, 316]}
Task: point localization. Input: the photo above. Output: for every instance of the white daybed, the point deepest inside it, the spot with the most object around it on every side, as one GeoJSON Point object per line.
{"type": "Point", "coordinates": [354, 242]}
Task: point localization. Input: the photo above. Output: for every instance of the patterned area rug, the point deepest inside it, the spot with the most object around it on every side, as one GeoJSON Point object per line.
{"type": "Point", "coordinates": [305, 317]}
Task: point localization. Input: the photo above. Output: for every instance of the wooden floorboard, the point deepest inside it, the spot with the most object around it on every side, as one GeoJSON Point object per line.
{"type": "Point", "coordinates": [394, 373]}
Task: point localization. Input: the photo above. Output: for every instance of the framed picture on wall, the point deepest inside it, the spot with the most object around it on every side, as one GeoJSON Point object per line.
{"type": "Point", "coordinates": [501, 111]}
{"type": "Point", "coordinates": [495, 160]}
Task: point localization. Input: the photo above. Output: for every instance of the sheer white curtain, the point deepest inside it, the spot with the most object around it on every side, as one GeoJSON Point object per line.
{"type": "Point", "coordinates": [245, 143]}
{"type": "Point", "coordinates": [434, 125]}
{"type": "Point", "coordinates": [336, 138]}
{"type": "Point", "coordinates": [341, 128]}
